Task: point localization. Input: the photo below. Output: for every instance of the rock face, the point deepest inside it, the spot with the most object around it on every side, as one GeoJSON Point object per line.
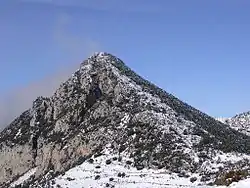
{"type": "Point", "coordinates": [106, 103]}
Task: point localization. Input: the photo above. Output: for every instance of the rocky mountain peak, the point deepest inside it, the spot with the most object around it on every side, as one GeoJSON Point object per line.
{"type": "Point", "coordinates": [240, 122]}
{"type": "Point", "coordinates": [105, 105]}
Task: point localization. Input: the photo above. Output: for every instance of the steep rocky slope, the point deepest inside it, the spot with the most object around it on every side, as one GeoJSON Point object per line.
{"type": "Point", "coordinates": [106, 104]}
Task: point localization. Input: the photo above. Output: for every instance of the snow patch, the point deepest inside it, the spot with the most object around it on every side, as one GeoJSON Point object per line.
{"type": "Point", "coordinates": [18, 133]}
{"type": "Point", "coordinates": [24, 177]}
{"type": "Point", "coordinates": [241, 184]}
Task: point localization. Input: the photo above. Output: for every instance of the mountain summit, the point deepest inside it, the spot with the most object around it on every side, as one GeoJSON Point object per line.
{"type": "Point", "coordinates": [106, 109]}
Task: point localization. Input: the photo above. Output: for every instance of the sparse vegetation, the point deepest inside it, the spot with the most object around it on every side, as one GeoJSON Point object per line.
{"type": "Point", "coordinates": [108, 161]}
{"type": "Point", "coordinates": [193, 179]}
{"type": "Point", "coordinates": [97, 177]}
{"type": "Point", "coordinates": [231, 176]}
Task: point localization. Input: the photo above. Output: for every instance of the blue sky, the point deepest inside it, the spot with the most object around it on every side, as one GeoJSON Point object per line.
{"type": "Point", "coordinates": [196, 50]}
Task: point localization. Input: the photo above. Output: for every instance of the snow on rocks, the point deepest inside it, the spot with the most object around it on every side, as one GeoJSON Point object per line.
{"type": "Point", "coordinates": [18, 133]}
{"type": "Point", "coordinates": [24, 177]}
{"type": "Point", "coordinates": [240, 122]}
{"type": "Point", "coordinates": [124, 120]}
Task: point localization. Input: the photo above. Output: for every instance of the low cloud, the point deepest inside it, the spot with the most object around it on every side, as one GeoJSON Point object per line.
{"type": "Point", "coordinates": [16, 101]}
{"type": "Point", "coordinates": [74, 45]}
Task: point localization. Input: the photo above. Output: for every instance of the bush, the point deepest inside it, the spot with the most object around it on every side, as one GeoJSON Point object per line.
{"type": "Point", "coordinates": [232, 176]}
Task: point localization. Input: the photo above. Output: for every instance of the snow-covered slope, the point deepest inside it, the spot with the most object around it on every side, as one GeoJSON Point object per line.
{"type": "Point", "coordinates": [104, 105]}
{"type": "Point", "coordinates": [240, 122]}
{"type": "Point", "coordinates": [114, 170]}
{"type": "Point", "coordinates": [119, 174]}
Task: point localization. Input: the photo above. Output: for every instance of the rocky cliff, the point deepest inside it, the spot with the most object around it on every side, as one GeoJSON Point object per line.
{"type": "Point", "coordinates": [106, 104]}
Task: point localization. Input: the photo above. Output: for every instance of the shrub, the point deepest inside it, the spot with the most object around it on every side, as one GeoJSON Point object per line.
{"type": "Point", "coordinates": [232, 176]}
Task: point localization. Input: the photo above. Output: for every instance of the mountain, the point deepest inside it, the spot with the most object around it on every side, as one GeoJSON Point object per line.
{"type": "Point", "coordinates": [240, 122]}
{"type": "Point", "coordinates": [106, 116]}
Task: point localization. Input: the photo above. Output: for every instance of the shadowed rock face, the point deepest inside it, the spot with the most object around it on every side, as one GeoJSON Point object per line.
{"type": "Point", "coordinates": [125, 111]}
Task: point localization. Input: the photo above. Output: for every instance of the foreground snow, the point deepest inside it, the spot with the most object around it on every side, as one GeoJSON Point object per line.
{"type": "Point", "coordinates": [111, 171]}
{"type": "Point", "coordinates": [87, 175]}
{"type": "Point", "coordinates": [241, 184]}
{"type": "Point", "coordinates": [99, 173]}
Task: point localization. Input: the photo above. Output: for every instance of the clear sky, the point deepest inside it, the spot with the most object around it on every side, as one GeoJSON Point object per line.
{"type": "Point", "coordinates": [197, 50]}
